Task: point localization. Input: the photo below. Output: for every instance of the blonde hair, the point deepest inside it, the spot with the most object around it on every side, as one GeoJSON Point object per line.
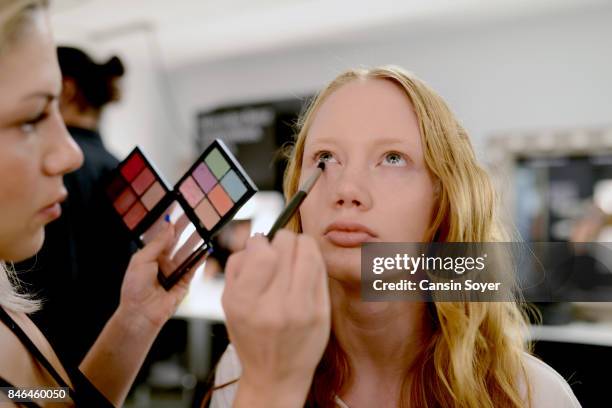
{"type": "Point", "coordinates": [14, 17]}
{"type": "Point", "coordinates": [474, 356]}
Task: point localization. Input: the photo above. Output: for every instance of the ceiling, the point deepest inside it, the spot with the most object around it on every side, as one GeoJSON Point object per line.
{"type": "Point", "coordinates": [189, 30]}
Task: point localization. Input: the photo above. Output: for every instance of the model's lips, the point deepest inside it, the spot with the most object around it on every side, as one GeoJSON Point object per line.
{"type": "Point", "coordinates": [348, 234]}
{"type": "Point", "coordinates": [54, 209]}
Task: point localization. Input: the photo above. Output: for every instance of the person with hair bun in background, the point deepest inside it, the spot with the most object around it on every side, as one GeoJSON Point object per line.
{"type": "Point", "coordinates": [77, 285]}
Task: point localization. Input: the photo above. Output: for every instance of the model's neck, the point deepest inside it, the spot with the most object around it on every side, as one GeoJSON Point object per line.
{"type": "Point", "coordinates": [385, 336]}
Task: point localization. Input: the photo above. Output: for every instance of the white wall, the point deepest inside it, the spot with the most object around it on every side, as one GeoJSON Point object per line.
{"type": "Point", "coordinates": [538, 72]}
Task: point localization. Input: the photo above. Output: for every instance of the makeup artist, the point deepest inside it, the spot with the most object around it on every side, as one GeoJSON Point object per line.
{"type": "Point", "coordinates": [37, 151]}
{"type": "Point", "coordinates": [399, 167]}
{"type": "Point", "coordinates": [80, 287]}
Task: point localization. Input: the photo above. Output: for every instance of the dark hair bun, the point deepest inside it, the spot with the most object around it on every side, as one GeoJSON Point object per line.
{"type": "Point", "coordinates": [94, 81]}
{"type": "Point", "coordinates": [114, 68]}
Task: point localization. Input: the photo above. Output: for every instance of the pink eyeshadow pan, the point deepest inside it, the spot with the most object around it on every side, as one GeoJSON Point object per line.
{"type": "Point", "coordinates": [207, 214]}
{"type": "Point", "coordinates": [143, 181]}
{"type": "Point", "coordinates": [153, 195]}
{"type": "Point", "coordinates": [219, 198]}
{"type": "Point", "coordinates": [124, 201]}
{"type": "Point", "coordinates": [191, 191]}
{"type": "Point", "coordinates": [135, 215]}
{"type": "Point", "coordinates": [204, 177]}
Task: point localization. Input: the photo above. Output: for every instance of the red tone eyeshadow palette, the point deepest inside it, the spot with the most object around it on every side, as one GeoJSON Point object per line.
{"type": "Point", "coordinates": [209, 195]}
{"type": "Point", "coordinates": [138, 192]}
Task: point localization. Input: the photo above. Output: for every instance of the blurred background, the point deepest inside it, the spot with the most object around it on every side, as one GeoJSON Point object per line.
{"type": "Point", "coordinates": [531, 82]}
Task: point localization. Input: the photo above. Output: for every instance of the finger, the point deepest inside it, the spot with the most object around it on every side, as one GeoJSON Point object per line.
{"type": "Point", "coordinates": [188, 247]}
{"type": "Point", "coordinates": [155, 229]}
{"type": "Point", "coordinates": [284, 243]}
{"type": "Point", "coordinates": [233, 267]}
{"type": "Point", "coordinates": [160, 244]}
{"type": "Point", "coordinates": [181, 224]}
{"type": "Point", "coordinates": [258, 266]}
{"type": "Point", "coordinates": [310, 273]}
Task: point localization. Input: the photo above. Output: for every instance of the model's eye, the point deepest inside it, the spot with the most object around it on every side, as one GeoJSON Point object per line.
{"type": "Point", "coordinates": [394, 159]}
{"type": "Point", "coordinates": [29, 126]}
{"type": "Point", "coordinates": [324, 156]}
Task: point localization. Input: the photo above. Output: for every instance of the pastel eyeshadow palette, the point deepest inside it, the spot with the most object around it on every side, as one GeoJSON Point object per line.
{"type": "Point", "coordinates": [214, 189]}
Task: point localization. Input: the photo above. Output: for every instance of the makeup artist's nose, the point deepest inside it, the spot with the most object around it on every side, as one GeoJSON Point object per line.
{"type": "Point", "coordinates": [351, 190]}
{"type": "Point", "coordinates": [63, 154]}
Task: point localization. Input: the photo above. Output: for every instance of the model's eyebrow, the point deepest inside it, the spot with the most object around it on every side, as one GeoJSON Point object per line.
{"type": "Point", "coordinates": [392, 140]}
{"type": "Point", "coordinates": [46, 95]}
{"type": "Point", "coordinates": [373, 140]}
{"type": "Point", "coordinates": [323, 140]}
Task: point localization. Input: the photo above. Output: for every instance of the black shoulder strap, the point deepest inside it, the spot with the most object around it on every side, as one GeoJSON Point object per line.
{"type": "Point", "coordinates": [25, 340]}
{"type": "Point", "coordinates": [27, 403]}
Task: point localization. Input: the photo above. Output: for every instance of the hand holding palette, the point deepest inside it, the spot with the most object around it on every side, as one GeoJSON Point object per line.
{"type": "Point", "coordinates": [203, 201]}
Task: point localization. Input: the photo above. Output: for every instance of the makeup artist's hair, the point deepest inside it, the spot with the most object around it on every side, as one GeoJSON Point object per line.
{"type": "Point", "coordinates": [474, 356]}
{"type": "Point", "coordinates": [15, 15]}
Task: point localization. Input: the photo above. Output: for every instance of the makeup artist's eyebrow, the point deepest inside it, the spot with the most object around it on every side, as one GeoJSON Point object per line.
{"type": "Point", "coordinates": [46, 95]}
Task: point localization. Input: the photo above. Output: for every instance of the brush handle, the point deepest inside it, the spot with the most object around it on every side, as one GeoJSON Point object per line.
{"type": "Point", "coordinates": [287, 213]}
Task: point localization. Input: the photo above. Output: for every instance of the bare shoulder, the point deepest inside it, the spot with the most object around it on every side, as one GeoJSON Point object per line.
{"type": "Point", "coordinates": [17, 365]}
{"type": "Point", "coordinates": [548, 388]}
{"type": "Point", "coordinates": [14, 359]}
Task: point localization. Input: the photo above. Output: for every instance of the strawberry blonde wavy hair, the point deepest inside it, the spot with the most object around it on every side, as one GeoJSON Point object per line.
{"type": "Point", "coordinates": [474, 355]}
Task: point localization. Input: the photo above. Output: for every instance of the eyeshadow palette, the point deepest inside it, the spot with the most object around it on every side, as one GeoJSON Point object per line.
{"type": "Point", "coordinates": [214, 189]}
{"type": "Point", "coordinates": [138, 192]}
{"type": "Point", "coordinates": [205, 199]}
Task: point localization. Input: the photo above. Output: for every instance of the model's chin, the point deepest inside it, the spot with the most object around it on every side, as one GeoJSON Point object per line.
{"type": "Point", "coordinates": [26, 247]}
{"type": "Point", "coordinates": [344, 264]}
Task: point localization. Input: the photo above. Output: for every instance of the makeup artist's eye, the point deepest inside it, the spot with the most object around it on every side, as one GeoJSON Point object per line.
{"type": "Point", "coordinates": [394, 159]}
{"type": "Point", "coordinates": [324, 156]}
{"type": "Point", "coordinates": [29, 126]}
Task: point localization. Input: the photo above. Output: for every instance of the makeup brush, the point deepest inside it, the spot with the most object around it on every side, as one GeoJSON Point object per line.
{"type": "Point", "coordinates": [295, 201]}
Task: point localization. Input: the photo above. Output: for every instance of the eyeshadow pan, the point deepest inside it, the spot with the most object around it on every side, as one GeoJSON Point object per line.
{"type": "Point", "coordinates": [124, 201]}
{"type": "Point", "coordinates": [217, 163]}
{"type": "Point", "coordinates": [133, 167]}
{"type": "Point", "coordinates": [233, 185]}
{"type": "Point", "coordinates": [219, 198]}
{"type": "Point", "coordinates": [135, 215]}
{"type": "Point", "coordinates": [204, 177]}
{"type": "Point", "coordinates": [116, 187]}
{"type": "Point", "coordinates": [191, 191]}
{"type": "Point", "coordinates": [207, 214]}
{"type": "Point", "coordinates": [153, 195]}
{"type": "Point", "coordinates": [143, 181]}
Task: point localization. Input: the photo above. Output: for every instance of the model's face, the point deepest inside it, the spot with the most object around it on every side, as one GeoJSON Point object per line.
{"type": "Point", "coordinates": [375, 187]}
{"type": "Point", "coordinates": [36, 148]}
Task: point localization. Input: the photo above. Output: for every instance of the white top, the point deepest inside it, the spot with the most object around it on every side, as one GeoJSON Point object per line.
{"type": "Point", "coordinates": [548, 388]}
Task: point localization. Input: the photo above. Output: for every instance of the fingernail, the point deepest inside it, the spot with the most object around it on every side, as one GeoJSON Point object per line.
{"type": "Point", "coordinates": [167, 217]}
